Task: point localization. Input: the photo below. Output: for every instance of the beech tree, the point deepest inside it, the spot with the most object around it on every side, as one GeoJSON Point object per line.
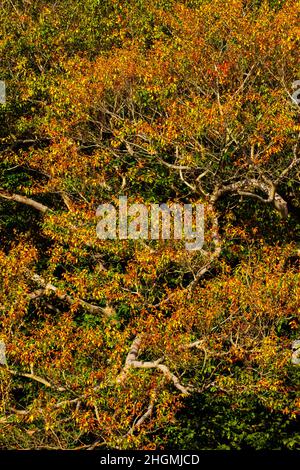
{"type": "Point", "coordinates": [123, 343]}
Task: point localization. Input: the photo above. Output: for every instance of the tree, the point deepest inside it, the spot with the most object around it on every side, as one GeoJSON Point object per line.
{"type": "Point", "coordinates": [161, 101]}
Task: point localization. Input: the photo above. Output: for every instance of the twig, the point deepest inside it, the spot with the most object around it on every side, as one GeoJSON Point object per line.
{"type": "Point", "coordinates": [48, 286]}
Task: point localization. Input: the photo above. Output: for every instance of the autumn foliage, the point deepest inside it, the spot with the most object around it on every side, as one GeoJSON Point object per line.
{"type": "Point", "coordinates": [138, 344]}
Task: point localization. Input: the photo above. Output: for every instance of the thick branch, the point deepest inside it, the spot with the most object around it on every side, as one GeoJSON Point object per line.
{"type": "Point", "coordinates": [131, 361]}
{"type": "Point", "coordinates": [36, 378]}
{"type": "Point", "coordinates": [25, 200]}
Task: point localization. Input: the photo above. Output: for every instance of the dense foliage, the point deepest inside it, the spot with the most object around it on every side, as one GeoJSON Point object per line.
{"type": "Point", "coordinates": [138, 344]}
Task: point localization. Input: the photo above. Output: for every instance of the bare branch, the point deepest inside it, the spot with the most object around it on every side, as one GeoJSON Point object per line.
{"type": "Point", "coordinates": [36, 378]}
{"type": "Point", "coordinates": [195, 344]}
{"type": "Point", "coordinates": [90, 307]}
{"type": "Point", "coordinates": [67, 200]}
{"type": "Point", "coordinates": [131, 361]}
{"type": "Point", "coordinates": [193, 188]}
{"type": "Point", "coordinates": [174, 167]}
{"type": "Point", "coordinates": [25, 200]}
{"type": "Point", "coordinates": [214, 254]}
{"type": "Point", "coordinates": [294, 162]}
{"type": "Point", "coordinates": [247, 187]}
{"type": "Point", "coordinates": [144, 416]}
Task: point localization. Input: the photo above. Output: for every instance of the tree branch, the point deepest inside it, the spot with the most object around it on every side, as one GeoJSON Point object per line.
{"type": "Point", "coordinates": [25, 200]}
{"type": "Point", "coordinates": [36, 378]}
{"type": "Point", "coordinates": [131, 361]}
{"type": "Point", "coordinates": [294, 162]}
{"type": "Point", "coordinates": [247, 187]}
{"type": "Point", "coordinates": [213, 255]}
{"type": "Point", "coordinates": [90, 307]}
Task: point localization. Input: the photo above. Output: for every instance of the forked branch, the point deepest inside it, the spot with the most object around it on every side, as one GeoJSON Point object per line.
{"type": "Point", "coordinates": [132, 362]}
